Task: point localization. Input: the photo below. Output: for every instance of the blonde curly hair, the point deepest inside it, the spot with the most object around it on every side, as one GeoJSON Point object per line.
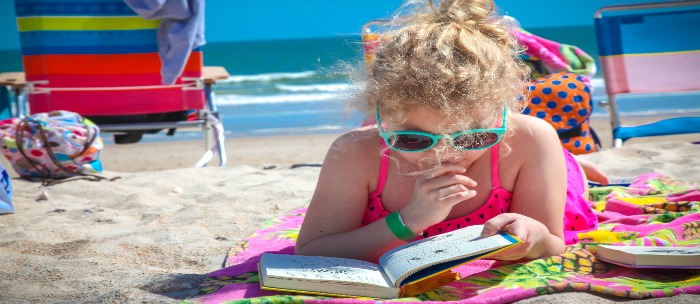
{"type": "Point", "coordinates": [454, 56]}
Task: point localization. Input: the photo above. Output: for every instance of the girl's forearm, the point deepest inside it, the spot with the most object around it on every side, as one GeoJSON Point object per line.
{"type": "Point", "coordinates": [366, 243]}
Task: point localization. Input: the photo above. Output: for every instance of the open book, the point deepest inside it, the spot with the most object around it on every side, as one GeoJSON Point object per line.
{"type": "Point", "coordinates": [400, 266]}
{"type": "Point", "coordinates": [650, 256]}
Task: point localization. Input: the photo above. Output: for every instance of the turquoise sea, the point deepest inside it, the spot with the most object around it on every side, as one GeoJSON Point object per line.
{"type": "Point", "coordinates": [295, 87]}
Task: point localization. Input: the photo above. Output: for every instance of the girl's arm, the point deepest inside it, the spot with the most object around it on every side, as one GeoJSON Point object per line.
{"type": "Point", "coordinates": [539, 193]}
{"type": "Point", "coordinates": [332, 223]}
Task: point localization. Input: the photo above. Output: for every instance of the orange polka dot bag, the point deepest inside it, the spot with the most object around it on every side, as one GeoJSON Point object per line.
{"type": "Point", "coordinates": [54, 145]}
{"type": "Point", "coordinates": [564, 100]}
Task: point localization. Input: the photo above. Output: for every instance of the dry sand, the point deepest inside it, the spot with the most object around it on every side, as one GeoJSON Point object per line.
{"type": "Point", "coordinates": [152, 235]}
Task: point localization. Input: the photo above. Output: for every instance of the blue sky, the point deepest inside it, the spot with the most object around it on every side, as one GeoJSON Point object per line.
{"type": "Point", "coordinates": [236, 20]}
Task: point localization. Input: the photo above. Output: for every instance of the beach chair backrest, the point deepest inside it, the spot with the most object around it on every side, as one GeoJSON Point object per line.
{"type": "Point", "coordinates": [649, 51]}
{"type": "Point", "coordinates": [649, 48]}
{"type": "Point", "coordinates": [99, 58]}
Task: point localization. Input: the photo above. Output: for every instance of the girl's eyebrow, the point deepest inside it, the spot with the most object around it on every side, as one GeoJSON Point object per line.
{"type": "Point", "coordinates": [404, 126]}
{"type": "Point", "coordinates": [412, 128]}
{"type": "Point", "coordinates": [418, 129]}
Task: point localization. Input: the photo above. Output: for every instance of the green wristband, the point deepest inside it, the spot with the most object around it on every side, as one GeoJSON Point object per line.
{"type": "Point", "coordinates": [398, 228]}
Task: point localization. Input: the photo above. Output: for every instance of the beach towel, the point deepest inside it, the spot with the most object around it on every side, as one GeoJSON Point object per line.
{"type": "Point", "coordinates": [654, 210]}
{"type": "Point", "coordinates": [545, 56]}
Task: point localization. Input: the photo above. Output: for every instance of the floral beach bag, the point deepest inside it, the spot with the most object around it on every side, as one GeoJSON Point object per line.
{"type": "Point", "coordinates": [52, 146]}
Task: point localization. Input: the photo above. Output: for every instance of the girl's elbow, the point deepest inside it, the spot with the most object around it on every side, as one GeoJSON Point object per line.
{"type": "Point", "coordinates": [556, 247]}
{"type": "Point", "coordinates": [302, 249]}
{"type": "Point", "coordinates": [298, 250]}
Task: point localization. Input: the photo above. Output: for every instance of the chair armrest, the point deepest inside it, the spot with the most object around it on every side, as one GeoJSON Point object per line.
{"type": "Point", "coordinates": [213, 73]}
{"type": "Point", "coordinates": [14, 79]}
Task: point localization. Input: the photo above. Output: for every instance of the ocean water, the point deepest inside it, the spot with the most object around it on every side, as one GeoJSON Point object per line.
{"type": "Point", "coordinates": [285, 87]}
{"type": "Point", "coordinates": [300, 87]}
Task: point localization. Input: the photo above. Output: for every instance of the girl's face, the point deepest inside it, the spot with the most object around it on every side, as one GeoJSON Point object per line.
{"type": "Point", "coordinates": [428, 120]}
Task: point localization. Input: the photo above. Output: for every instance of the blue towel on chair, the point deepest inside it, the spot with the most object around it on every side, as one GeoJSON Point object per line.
{"type": "Point", "coordinates": [180, 32]}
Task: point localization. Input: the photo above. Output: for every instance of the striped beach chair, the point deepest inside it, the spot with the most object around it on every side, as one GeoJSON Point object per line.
{"type": "Point", "coordinates": [649, 48]}
{"type": "Point", "coordinates": [100, 59]}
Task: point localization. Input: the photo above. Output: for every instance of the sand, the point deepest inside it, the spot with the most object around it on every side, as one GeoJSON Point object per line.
{"type": "Point", "coordinates": [152, 235]}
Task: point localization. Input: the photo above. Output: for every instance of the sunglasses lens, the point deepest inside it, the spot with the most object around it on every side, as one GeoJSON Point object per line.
{"type": "Point", "coordinates": [410, 142]}
{"type": "Point", "coordinates": [476, 140]}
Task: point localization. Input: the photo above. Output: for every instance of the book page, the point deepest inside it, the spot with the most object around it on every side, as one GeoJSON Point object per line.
{"type": "Point", "coordinates": [314, 268]}
{"type": "Point", "coordinates": [407, 259]}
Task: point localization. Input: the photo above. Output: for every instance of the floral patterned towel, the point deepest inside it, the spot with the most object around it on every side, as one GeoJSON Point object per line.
{"type": "Point", "coordinates": [654, 210]}
{"type": "Point", "coordinates": [545, 56]}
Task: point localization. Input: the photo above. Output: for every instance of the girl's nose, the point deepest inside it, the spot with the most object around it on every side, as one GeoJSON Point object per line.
{"type": "Point", "coordinates": [444, 150]}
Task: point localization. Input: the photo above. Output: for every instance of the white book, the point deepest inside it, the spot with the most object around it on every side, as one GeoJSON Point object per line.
{"type": "Point", "coordinates": [650, 256]}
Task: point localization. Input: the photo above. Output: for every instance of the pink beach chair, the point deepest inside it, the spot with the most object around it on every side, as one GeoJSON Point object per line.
{"type": "Point", "coordinates": [649, 48]}
{"type": "Point", "coordinates": [100, 59]}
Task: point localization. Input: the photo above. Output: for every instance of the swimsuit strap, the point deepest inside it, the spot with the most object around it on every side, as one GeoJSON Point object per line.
{"type": "Point", "coordinates": [383, 169]}
{"type": "Point", "coordinates": [495, 179]}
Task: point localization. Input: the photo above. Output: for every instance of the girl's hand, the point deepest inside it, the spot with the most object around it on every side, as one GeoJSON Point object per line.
{"type": "Point", "coordinates": [435, 192]}
{"type": "Point", "coordinates": [530, 231]}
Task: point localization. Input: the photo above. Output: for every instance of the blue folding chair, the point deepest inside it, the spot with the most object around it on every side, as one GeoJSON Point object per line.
{"type": "Point", "coordinates": [649, 48]}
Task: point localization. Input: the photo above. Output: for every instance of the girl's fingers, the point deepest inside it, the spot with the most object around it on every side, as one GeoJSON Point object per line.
{"type": "Point", "coordinates": [497, 223]}
{"type": "Point", "coordinates": [438, 171]}
{"type": "Point", "coordinates": [457, 197]}
{"type": "Point", "coordinates": [449, 190]}
{"type": "Point", "coordinates": [520, 230]}
{"type": "Point", "coordinates": [448, 179]}
{"type": "Point", "coordinates": [515, 225]}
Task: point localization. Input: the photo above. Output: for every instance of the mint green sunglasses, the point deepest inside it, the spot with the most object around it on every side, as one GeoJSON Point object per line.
{"type": "Point", "coordinates": [417, 141]}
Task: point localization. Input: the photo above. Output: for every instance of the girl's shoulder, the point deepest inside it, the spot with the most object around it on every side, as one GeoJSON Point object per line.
{"type": "Point", "coordinates": [530, 136]}
{"type": "Point", "coordinates": [359, 138]}
{"type": "Point", "coordinates": [530, 143]}
{"type": "Point", "coordinates": [356, 145]}
{"type": "Point", "coordinates": [529, 131]}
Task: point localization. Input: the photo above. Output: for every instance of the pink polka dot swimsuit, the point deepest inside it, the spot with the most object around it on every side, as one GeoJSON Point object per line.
{"type": "Point", "coordinates": [578, 215]}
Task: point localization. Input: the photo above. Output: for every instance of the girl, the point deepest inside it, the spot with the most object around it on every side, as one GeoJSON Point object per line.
{"type": "Point", "coordinates": [449, 148]}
